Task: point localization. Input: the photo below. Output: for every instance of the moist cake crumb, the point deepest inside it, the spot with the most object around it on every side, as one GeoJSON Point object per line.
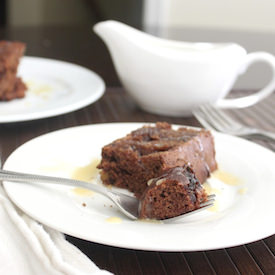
{"type": "Point", "coordinates": [174, 193]}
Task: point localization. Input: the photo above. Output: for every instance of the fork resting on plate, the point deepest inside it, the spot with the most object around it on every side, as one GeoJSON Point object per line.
{"type": "Point", "coordinates": [128, 205]}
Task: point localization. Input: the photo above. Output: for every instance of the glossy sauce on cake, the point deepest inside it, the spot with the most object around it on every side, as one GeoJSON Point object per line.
{"type": "Point", "coordinates": [150, 151]}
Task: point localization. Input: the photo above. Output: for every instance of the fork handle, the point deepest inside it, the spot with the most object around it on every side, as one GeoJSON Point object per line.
{"type": "Point", "coordinates": [250, 100]}
{"type": "Point", "coordinates": [262, 134]}
{"type": "Point", "coordinates": [31, 178]}
{"type": "Point", "coordinates": [116, 197]}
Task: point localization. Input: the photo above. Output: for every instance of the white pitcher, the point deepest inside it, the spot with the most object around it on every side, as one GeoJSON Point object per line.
{"type": "Point", "coordinates": [172, 77]}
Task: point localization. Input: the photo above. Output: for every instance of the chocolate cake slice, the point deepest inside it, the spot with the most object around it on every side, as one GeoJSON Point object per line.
{"type": "Point", "coordinates": [174, 193]}
{"type": "Point", "coordinates": [11, 86]}
{"type": "Point", "coordinates": [150, 151]}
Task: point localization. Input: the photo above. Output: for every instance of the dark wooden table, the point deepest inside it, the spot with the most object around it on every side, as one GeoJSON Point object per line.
{"type": "Point", "coordinates": [81, 46]}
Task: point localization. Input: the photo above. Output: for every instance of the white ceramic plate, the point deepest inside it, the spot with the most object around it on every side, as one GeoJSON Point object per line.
{"type": "Point", "coordinates": [54, 88]}
{"type": "Point", "coordinates": [244, 211]}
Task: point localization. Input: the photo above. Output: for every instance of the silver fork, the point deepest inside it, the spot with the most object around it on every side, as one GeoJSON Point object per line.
{"type": "Point", "coordinates": [127, 204]}
{"type": "Point", "coordinates": [214, 118]}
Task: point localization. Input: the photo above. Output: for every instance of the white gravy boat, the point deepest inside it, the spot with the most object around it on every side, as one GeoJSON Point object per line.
{"type": "Point", "coordinates": [172, 77]}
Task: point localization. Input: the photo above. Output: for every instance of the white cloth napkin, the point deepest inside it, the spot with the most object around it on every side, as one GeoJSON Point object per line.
{"type": "Point", "coordinates": [29, 248]}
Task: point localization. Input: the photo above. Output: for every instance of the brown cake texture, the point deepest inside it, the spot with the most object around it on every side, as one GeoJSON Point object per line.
{"type": "Point", "coordinates": [176, 192]}
{"type": "Point", "coordinates": [11, 86]}
{"type": "Point", "coordinates": [150, 151]}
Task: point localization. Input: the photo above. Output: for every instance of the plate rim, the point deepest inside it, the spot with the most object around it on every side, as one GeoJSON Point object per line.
{"type": "Point", "coordinates": [95, 95]}
{"type": "Point", "coordinates": [138, 246]}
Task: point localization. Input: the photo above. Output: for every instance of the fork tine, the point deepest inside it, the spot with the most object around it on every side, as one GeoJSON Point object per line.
{"type": "Point", "coordinates": [211, 196]}
{"type": "Point", "coordinates": [208, 120]}
{"type": "Point", "coordinates": [219, 120]}
{"type": "Point", "coordinates": [210, 200]}
{"type": "Point", "coordinates": [228, 121]}
{"type": "Point", "coordinates": [207, 204]}
{"type": "Point", "coordinates": [213, 117]}
{"type": "Point", "coordinates": [201, 118]}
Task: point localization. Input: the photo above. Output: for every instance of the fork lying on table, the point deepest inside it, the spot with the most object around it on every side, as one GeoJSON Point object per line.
{"type": "Point", "coordinates": [213, 118]}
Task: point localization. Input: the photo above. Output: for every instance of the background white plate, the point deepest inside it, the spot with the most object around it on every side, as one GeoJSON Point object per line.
{"type": "Point", "coordinates": [54, 88]}
{"type": "Point", "coordinates": [241, 217]}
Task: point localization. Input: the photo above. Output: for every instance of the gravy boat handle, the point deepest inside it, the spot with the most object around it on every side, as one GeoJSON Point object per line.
{"type": "Point", "coordinates": [252, 99]}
